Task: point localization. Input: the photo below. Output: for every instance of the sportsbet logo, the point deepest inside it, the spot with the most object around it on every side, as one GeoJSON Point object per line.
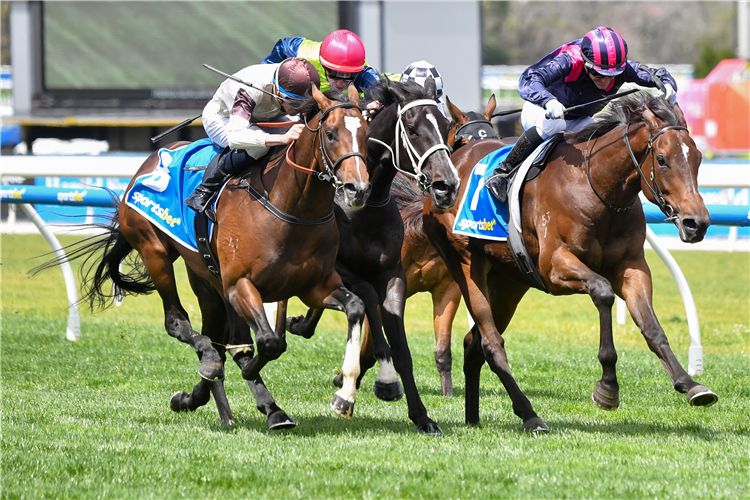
{"type": "Point", "coordinates": [477, 225]}
{"type": "Point", "coordinates": [156, 209]}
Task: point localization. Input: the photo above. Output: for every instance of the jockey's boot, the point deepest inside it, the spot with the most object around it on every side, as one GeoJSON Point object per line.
{"type": "Point", "coordinates": [497, 183]}
{"type": "Point", "coordinates": [215, 177]}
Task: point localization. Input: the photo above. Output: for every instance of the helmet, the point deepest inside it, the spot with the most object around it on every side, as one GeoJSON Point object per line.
{"type": "Point", "coordinates": [294, 76]}
{"type": "Point", "coordinates": [342, 52]}
{"type": "Point", "coordinates": [419, 71]}
{"type": "Point", "coordinates": [604, 51]}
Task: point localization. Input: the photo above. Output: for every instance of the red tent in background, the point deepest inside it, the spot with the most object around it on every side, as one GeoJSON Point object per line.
{"type": "Point", "coordinates": [718, 107]}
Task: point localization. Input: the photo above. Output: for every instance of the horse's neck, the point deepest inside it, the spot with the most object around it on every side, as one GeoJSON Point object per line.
{"type": "Point", "coordinates": [382, 171]}
{"type": "Point", "coordinates": [612, 170]}
{"type": "Point", "coordinates": [300, 193]}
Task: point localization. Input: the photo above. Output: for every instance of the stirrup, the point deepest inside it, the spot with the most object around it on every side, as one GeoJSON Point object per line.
{"type": "Point", "coordinates": [198, 201]}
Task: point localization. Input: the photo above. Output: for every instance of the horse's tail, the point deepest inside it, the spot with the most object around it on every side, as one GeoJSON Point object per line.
{"type": "Point", "coordinates": [103, 256]}
{"type": "Point", "coordinates": [410, 202]}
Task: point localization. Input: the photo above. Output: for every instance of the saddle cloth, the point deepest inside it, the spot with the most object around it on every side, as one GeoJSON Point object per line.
{"type": "Point", "coordinates": [479, 214]}
{"type": "Point", "coordinates": [159, 195]}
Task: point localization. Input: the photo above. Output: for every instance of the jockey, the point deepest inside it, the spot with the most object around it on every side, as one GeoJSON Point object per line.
{"type": "Point", "coordinates": [578, 72]}
{"type": "Point", "coordinates": [229, 118]}
{"type": "Point", "coordinates": [339, 59]}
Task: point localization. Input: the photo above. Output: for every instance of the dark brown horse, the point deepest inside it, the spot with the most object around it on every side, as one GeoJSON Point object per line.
{"type": "Point", "coordinates": [408, 135]}
{"type": "Point", "coordinates": [584, 229]}
{"type": "Point", "coordinates": [425, 270]}
{"type": "Point", "coordinates": [264, 255]}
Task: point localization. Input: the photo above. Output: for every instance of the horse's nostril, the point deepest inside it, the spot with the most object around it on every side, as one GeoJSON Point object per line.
{"type": "Point", "coordinates": [689, 223]}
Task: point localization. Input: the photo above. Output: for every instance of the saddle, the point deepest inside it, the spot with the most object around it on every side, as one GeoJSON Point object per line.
{"type": "Point", "coordinates": [515, 237]}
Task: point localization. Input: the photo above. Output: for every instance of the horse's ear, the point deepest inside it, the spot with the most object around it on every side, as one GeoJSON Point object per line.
{"type": "Point", "coordinates": [452, 134]}
{"type": "Point", "coordinates": [651, 119]}
{"type": "Point", "coordinates": [490, 108]}
{"type": "Point", "coordinates": [680, 116]}
{"type": "Point", "coordinates": [458, 116]}
{"type": "Point", "coordinates": [430, 89]}
{"type": "Point", "coordinates": [353, 94]}
{"type": "Point", "coordinates": [323, 102]}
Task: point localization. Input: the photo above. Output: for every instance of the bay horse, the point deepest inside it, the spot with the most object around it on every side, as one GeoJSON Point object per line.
{"type": "Point", "coordinates": [409, 135]}
{"type": "Point", "coordinates": [265, 253]}
{"type": "Point", "coordinates": [584, 228]}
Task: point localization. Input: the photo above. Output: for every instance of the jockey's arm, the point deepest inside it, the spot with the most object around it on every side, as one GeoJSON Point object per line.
{"type": "Point", "coordinates": [532, 86]}
{"type": "Point", "coordinates": [284, 49]}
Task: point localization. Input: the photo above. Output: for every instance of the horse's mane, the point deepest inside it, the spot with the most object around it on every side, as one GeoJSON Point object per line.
{"type": "Point", "coordinates": [410, 203]}
{"type": "Point", "coordinates": [380, 92]}
{"type": "Point", "coordinates": [623, 111]}
{"type": "Point", "coordinates": [309, 107]}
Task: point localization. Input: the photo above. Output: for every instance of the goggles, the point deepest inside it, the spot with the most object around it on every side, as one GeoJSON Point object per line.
{"type": "Point", "coordinates": [338, 75]}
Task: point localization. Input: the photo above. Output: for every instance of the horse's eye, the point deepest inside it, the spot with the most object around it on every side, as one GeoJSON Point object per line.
{"type": "Point", "coordinates": [411, 130]}
{"type": "Point", "coordinates": [661, 160]}
{"type": "Point", "coordinates": [329, 135]}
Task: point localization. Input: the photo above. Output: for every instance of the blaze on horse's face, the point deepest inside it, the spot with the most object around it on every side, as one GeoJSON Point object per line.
{"type": "Point", "coordinates": [344, 131]}
{"type": "Point", "coordinates": [675, 161]}
{"type": "Point", "coordinates": [425, 127]}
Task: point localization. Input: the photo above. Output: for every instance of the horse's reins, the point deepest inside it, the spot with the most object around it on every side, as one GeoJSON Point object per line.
{"type": "Point", "coordinates": [417, 160]}
{"type": "Point", "coordinates": [656, 191]}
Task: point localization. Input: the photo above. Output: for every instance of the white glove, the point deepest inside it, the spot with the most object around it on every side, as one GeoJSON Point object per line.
{"type": "Point", "coordinates": [670, 94]}
{"type": "Point", "coordinates": [555, 110]}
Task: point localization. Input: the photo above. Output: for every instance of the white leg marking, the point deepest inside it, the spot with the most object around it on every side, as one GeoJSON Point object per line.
{"type": "Point", "coordinates": [350, 368]}
{"type": "Point", "coordinates": [387, 373]}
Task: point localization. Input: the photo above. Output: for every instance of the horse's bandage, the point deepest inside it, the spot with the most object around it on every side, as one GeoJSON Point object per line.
{"type": "Point", "coordinates": [234, 350]}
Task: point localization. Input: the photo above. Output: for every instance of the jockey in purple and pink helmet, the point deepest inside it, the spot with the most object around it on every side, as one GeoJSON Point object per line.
{"type": "Point", "coordinates": [578, 72]}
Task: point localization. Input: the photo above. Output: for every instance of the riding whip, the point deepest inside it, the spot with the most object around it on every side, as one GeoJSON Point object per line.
{"type": "Point", "coordinates": [243, 82]}
{"type": "Point", "coordinates": [177, 127]}
{"type": "Point", "coordinates": [603, 99]}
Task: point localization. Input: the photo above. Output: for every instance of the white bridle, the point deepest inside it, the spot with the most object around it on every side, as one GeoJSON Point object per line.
{"type": "Point", "coordinates": [414, 156]}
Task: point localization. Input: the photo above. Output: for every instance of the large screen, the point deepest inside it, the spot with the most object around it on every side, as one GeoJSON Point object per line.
{"type": "Point", "coordinates": [161, 46]}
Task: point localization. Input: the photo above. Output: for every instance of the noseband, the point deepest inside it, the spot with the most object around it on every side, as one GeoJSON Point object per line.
{"type": "Point", "coordinates": [328, 174]}
{"type": "Point", "coordinates": [416, 160]}
{"type": "Point", "coordinates": [655, 191]}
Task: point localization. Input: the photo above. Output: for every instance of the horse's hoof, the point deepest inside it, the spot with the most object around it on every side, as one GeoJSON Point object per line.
{"type": "Point", "coordinates": [700, 395]}
{"type": "Point", "coordinates": [279, 420]}
{"type": "Point", "coordinates": [177, 398]}
{"type": "Point", "coordinates": [342, 407]}
{"type": "Point", "coordinates": [535, 424]}
{"type": "Point", "coordinates": [430, 428]}
{"type": "Point", "coordinates": [213, 371]}
{"type": "Point", "coordinates": [604, 398]}
{"type": "Point", "coordinates": [388, 391]}
{"type": "Point", "coordinates": [338, 380]}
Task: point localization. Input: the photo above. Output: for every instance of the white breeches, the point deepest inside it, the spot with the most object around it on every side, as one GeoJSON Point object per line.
{"type": "Point", "coordinates": [533, 116]}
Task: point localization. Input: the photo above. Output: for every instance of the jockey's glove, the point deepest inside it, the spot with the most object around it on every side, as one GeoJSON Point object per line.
{"type": "Point", "coordinates": [669, 93]}
{"type": "Point", "coordinates": [555, 110]}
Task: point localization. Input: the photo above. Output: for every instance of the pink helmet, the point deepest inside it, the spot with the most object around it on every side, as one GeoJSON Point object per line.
{"type": "Point", "coordinates": [604, 51]}
{"type": "Point", "coordinates": [342, 52]}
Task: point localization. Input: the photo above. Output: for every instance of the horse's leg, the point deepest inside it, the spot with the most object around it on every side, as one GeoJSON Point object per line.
{"type": "Point", "coordinates": [159, 264]}
{"type": "Point", "coordinates": [247, 302]}
{"type": "Point", "coordinates": [445, 301]}
{"type": "Point", "coordinates": [570, 273]}
{"type": "Point", "coordinates": [240, 347]}
{"type": "Point", "coordinates": [366, 359]}
{"type": "Point", "coordinates": [637, 291]}
{"type": "Point", "coordinates": [472, 278]}
{"type": "Point", "coordinates": [392, 287]}
{"type": "Point", "coordinates": [304, 326]}
{"type": "Point", "coordinates": [215, 327]}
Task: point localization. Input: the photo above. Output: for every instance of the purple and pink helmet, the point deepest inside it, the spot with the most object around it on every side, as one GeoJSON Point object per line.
{"type": "Point", "coordinates": [604, 51]}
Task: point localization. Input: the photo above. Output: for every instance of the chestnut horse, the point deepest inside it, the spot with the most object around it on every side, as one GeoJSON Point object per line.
{"type": "Point", "coordinates": [264, 253]}
{"type": "Point", "coordinates": [409, 135]}
{"type": "Point", "coordinates": [592, 246]}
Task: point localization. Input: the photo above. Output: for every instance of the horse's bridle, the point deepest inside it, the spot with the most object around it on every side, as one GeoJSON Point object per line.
{"type": "Point", "coordinates": [328, 174]}
{"type": "Point", "coordinates": [656, 191]}
{"type": "Point", "coordinates": [416, 159]}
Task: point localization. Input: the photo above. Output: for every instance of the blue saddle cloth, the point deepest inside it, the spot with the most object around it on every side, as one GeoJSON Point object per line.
{"type": "Point", "coordinates": [159, 195]}
{"type": "Point", "coordinates": [480, 214]}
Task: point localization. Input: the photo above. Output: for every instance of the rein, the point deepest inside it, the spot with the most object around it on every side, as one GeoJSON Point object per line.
{"type": "Point", "coordinates": [656, 191]}
{"type": "Point", "coordinates": [416, 160]}
{"type": "Point", "coordinates": [329, 166]}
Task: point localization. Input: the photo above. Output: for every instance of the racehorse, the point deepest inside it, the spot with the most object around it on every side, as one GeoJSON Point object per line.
{"type": "Point", "coordinates": [584, 229]}
{"type": "Point", "coordinates": [282, 246]}
{"type": "Point", "coordinates": [409, 135]}
{"type": "Point", "coordinates": [425, 270]}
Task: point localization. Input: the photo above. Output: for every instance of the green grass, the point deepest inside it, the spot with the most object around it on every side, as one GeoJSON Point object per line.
{"type": "Point", "coordinates": [90, 419]}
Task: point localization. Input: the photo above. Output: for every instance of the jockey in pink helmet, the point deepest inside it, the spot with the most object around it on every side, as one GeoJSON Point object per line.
{"type": "Point", "coordinates": [339, 59]}
{"type": "Point", "coordinates": [578, 72]}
